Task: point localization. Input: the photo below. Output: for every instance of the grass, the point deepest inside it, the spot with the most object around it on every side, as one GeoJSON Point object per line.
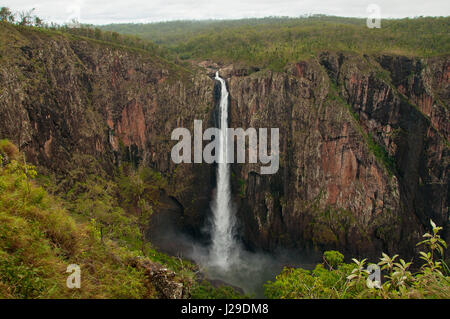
{"type": "Point", "coordinates": [91, 226]}
{"type": "Point", "coordinates": [39, 239]}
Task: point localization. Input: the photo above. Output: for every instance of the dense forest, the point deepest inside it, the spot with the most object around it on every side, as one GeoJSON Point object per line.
{"type": "Point", "coordinates": [270, 42]}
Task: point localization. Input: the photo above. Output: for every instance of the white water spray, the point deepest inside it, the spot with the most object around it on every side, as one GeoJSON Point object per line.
{"type": "Point", "coordinates": [223, 242]}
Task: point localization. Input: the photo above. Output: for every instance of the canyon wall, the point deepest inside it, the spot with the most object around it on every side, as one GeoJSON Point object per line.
{"type": "Point", "coordinates": [363, 139]}
{"type": "Point", "coordinates": [77, 105]}
{"type": "Point", "coordinates": [364, 152]}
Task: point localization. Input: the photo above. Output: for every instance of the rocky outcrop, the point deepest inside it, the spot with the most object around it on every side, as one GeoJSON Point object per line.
{"type": "Point", "coordinates": [364, 146]}
{"type": "Point", "coordinates": [162, 279]}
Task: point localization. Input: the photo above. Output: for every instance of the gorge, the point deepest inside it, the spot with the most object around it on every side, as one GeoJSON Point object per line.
{"type": "Point", "coordinates": [364, 149]}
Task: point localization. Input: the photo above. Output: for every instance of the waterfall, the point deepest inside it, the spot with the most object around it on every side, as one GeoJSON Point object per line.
{"type": "Point", "coordinates": [223, 242]}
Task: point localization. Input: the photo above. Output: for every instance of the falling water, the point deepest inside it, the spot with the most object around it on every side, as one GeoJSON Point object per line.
{"type": "Point", "coordinates": [223, 241]}
{"type": "Point", "coordinates": [226, 259]}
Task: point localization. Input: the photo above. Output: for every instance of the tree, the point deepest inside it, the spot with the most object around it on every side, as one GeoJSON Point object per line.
{"type": "Point", "coordinates": [38, 22]}
{"type": "Point", "coordinates": [115, 36]}
{"type": "Point", "coordinates": [25, 17]}
{"type": "Point", "coordinates": [98, 34]}
{"type": "Point", "coordinates": [6, 15]}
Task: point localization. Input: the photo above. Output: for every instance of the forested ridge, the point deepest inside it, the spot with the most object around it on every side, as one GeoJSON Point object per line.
{"type": "Point", "coordinates": [273, 42]}
{"type": "Point", "coordinates": [270, 42]}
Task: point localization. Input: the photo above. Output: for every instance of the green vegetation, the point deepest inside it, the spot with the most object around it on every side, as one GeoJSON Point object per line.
{"type": "Point", "coordinates": [336, 279]}
{"type": "Point", "coordinates": [26, 22]}
{"type": "Point", "coordinates": [264, 43]}
{"type": "Point", "coordinates": [26, 19]}
{"type": "Point", "coordinates": [39, 239]}
{"type": "Point", "coordinates": [378, 150]}
{"type": "Point", "coordinates": [241, 187]}
{"type": "Point", "coordinates": [333, 258]}
{"type": "Point", "coordinates": [98, 224]}
{"type": "Point", "coordinates": [381, 154]}
{"type": "Point", "coordinates": [205, 290]}
{"type": "Point", "coordinates": [129, 41]}
{"type": "Point", "coordinates": [272, 42]}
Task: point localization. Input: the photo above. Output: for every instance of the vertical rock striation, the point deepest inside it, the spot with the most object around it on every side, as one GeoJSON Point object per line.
{"type": "Point", "coordinates": [364, 149]}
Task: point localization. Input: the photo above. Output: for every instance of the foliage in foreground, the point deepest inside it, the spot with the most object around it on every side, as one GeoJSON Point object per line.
{"type": "Point", "coordinates": [39, 239]}
{"type": "Point", "coordinates": [97, 224]}
{"type": "Point", "coordinates": [336, 279]}
{"type": "Point", "coordinates": [205, 290]}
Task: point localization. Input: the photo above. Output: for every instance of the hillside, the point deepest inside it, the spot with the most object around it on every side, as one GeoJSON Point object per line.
{"type": "Point", "coordinates": [42, 234]}
{"type": "Point", "coordinates": [39, 239]}
{"type": "Point", "coordinates": [274, 42]}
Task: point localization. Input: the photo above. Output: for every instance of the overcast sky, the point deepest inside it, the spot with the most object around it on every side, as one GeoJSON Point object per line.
{"type": "Point", "coordinates": [116, 11]}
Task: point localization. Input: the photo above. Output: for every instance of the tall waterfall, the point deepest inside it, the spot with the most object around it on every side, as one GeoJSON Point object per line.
{"type": "Point", "coordinates": [223, 241]}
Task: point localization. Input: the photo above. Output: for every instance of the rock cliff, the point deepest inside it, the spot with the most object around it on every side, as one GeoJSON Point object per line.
{"type": "Point", "coordinates": [364, 152]}
{"type": "Point", "coordinates": [364, 146]}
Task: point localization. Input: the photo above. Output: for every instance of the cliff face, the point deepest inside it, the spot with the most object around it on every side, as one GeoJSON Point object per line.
{"type": "Point", "coordinates": [364, 152]}
{"type": "Point", "coordinates": [72, 104]}
{"type": "Point", "coordinates": [363, 140]}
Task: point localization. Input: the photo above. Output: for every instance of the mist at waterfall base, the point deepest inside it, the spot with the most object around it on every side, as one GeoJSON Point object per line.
{"type": "Point", "coordinates": [225, 259]}
{"type": "Point", "coordinates": [247, 269]}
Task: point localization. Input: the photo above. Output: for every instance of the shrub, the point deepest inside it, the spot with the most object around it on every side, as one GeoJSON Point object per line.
{"type": "Point", "coordinates": [343, 280]}
{"type": "Point", "coordinates": [333, 258]}
{"type": "Point", "coordinates": [39, 239]}
{"type": "Point", "coordinates": [8, 150]}
{"type": "Point", "coordinates": [205, 290]}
